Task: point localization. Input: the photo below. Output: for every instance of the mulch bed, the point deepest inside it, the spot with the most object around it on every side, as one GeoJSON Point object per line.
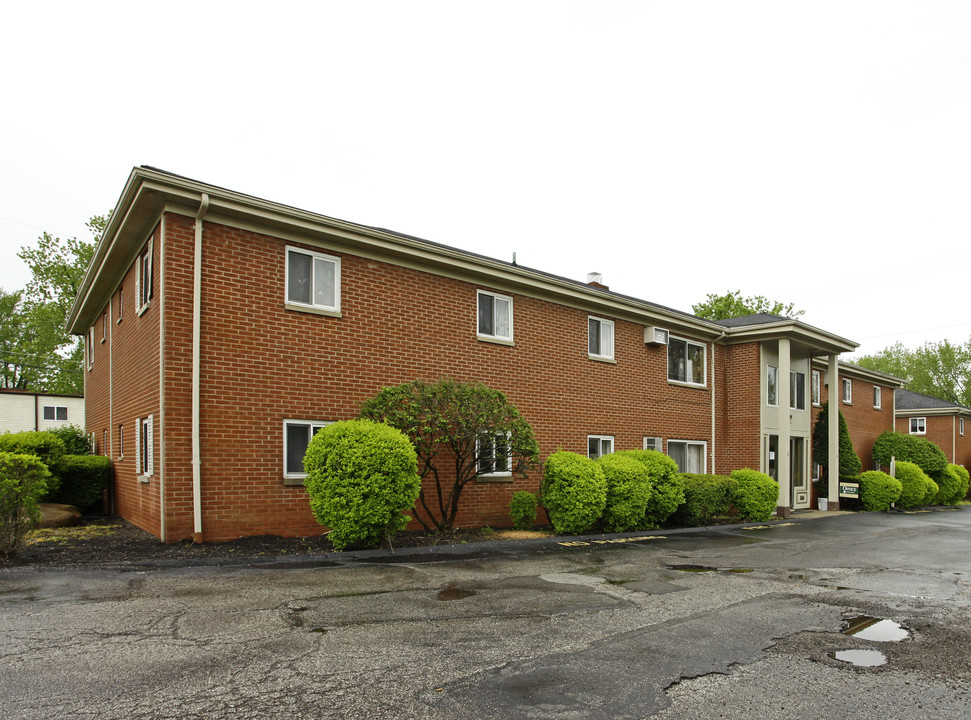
{"type": "Point", "coordinates": [104, 540]}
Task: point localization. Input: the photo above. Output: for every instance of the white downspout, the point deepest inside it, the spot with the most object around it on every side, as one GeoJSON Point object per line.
{"type": "Point", "coordinates": [713, 371]}
{"type": "Point", "coordinates": [196, 371]}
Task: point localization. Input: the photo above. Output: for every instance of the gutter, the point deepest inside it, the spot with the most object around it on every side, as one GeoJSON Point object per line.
{"type": "Point", "coordinates": [196, 372]}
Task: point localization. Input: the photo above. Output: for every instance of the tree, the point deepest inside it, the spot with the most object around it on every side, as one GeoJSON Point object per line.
{"type": "Point", "coordinates": [732, 304]}
{"type": "Point", "coordinates": [849, 461]}
{"type": "Point", "coordinates": [938, 369]}
{"type": "Point", "coordinates": [460, 431]}
{"type": "Point", "coordinates": [36, 351]}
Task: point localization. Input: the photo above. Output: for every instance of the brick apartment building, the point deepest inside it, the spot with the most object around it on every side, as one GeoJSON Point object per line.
{"type": "Point", "coordinates": [222, 329]}
{"type": "Point", "coordinates": [940, 421]}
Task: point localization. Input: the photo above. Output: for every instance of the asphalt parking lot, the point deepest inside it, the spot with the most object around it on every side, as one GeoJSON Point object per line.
{"type": "Point", "coordinates": [725, 623]}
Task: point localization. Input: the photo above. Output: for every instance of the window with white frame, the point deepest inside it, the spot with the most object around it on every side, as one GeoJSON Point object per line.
{"type": "Point", "coordinates": [816, 388]}
{"type": "Point", "coordinates": [686, 361]}
{"type": "Point", "coordinates": [121, 303]}
{"type": "Point", "coordinates": [104, 442]}
{"type": "Point", "coordinates": [653, 443]}
{"type": "Point", "coordinates": [847, 391]}
{"type": "Point", "coordinates": [599, 445]}
{"type": "Point", "coordinates": [961, 426]}
{"type": "Point", "coordinates": [104, 326]}
{"type": "Point", "coordinates": [918, 426]}
{"type": "Point", "coordinates": [689, 455]}
{"type": "Point", "coordinates": [772, 386]}
{"type": "Point", "coordinates": [121, 442]}
{"type": "Point", "coordinates": [877, 397]}
{"type": "Point", "coordinates": [55, 412]}
{"type": "Point", "coordinates": [494, 316]}
{"type": "Point", "coordinates": [91, 347]}
{"type": "Point", "coordinates": [297, 435]}
{"type": "Point", "coordinates": [143, 278]}
{"type": "Point", "coordinates": [313, 280]}
{"type": "Point", "coordinates": [600, 338]}
{"type": "Point", "coordinates": [493, 455]}
{"type": "Point", "coordinates": [145, 446]}
{"type": "Point", "coordinates": [797, 390]}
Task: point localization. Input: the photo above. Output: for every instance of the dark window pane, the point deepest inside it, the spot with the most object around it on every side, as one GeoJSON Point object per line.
{"type": "Point", "coordinates": [62, 413]}
{"type": "Point", "coordinates": [298, 437]}
{"type": "Point", "coordinates": [676, 361]}
{"type": "Point", "coordinates": [593, 337]}
{"type": "Point", "coordinates": [48, 413]}
{"type": "Point", "coordinates": [486, 326]}
{"type": "Point", "coordinates": [298, 278]}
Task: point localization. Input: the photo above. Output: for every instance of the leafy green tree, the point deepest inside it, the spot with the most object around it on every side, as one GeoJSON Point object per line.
{"type": "Point", "coordinates": [36, 352]}
{"type": "Point", "coordinates": [938, 369]}
{"type": "Point", "coordinates": [732, 304]}
{"type": "Point", "coordinates": [460, 431]}
{"type": "Point", "coordinates": [849, 461]}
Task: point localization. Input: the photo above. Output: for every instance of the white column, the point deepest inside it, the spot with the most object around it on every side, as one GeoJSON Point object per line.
{"type": "Point", "coordinates": [835, 398]}
{"type": "Point", "coordinates": [783, 462]}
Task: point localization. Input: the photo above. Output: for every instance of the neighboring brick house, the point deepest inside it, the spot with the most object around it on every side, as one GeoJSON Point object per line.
{"type": "Point", "coordinates": [29, 410]}
{"type": "Point", "coordinates": [221, 330]}
{"type": "Point", "coordinates": [940, 421]}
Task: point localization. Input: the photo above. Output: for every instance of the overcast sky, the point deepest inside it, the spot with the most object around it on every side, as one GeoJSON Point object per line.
{"type": "Point", "coordinates": [813, 152]}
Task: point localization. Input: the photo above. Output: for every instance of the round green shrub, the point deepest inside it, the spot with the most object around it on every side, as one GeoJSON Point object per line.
{"type": "Point", "coordinates": [44, 445]}
{"type": "Point", "coordinates": [361, 477]}
{"type": "Point", "coordinates": [878, 491]}
{"type": "Point", "coordinates": [76, 441]}
{"type": "Point", "coordinates": [628, 492]}
{"type": "Point", "coordinates": [915, 484]}
{"type": "Point", "coordinates": [522, 508]}
{"type": "Point", "coordinates": [756, 495]}
{"type": "Point", "coordinates": [23, 480]}
{"type": "Point", "coordinates": [931, 489]}
{"type": "Point", "coordinates": [574, 492]}
{"type": "Point", "coordinates": [83, 480]}
{"type": "Point", "coordinates": [964, 481]}
{"type": "Point", "coordinates": [667, 486]}
{"type": "Point", "coordinates": [705, 498]}
{"type": "Point", "coordinates": [909, 448]}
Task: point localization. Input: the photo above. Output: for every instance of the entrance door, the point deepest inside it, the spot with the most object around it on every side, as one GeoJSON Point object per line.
{"type": "Point", "coordinates": [798, 476]}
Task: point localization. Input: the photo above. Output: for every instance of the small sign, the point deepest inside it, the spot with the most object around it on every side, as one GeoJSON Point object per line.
{"type": "Point", "coordinates": [850, 490]}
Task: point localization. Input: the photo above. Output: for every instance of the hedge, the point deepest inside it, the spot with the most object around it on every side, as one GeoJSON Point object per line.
{"type": "Point", "coordinates": [878, 490]}
{"type": "Point", "coordinates": [667, 486]}
{"type": "Point", "coordinates": [522, 508]}
{"type": "Point", "coordinates": [76, 441]}
{"type": "Point", "coordinates": [43, 445]}
{"type": "Point", "coordinates": [965, 481]}
{"type": "Point", "coordinates": [909, 448]}
{"type": "Point", "coordinates": [705, 498]}
{"type": "Point", "coordinates": [628, 492]}
{"type": "Point", "coordinates": [23, 480]}
{"type": "Point", "coordinates": [916, 485]}
{"type": "Point", "coordinates": [755, 495]}
{"type": "Point", "coordinates": [83, 480]}
{"type": "Point", "coordinates": [574, 492]}
{"type": "Point", "coordinates": [361, 477]}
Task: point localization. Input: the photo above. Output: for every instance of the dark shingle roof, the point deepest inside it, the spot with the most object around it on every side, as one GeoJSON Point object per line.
{"type": "Point", "coordinates": [907, 400]}
{"type": "Point", "coordinates": [757, 319]}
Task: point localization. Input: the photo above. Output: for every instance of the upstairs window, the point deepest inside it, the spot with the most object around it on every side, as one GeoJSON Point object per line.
{"type": "Point", "coordinates": [143, 279]}
{"type": "Point", "coordinates": [313, 280]}
{"type": "Point", "coordinates": [847, 391]}
{"type": "Point", "coordinates": [599, 445]}
{"type": "Point", "coordinates": [493, 455]}
{"type": "Point", "coordinates": [817, 398]}
{"type": "Point", "coordinates": [145, 446]}
{"type": "Point", "coordinates": [918, 426]}
{"type": "Point", "coordinates": [91, 347]}
{"type": "Point", "coordinates": [494, 316]}
{"type": "Point", "coordinates": [877, 397]}
{"type": "Point", "coordinates": [772, 386]}
{"type": "Point", "coordinates": [797, 390]}
{"type": "Point", "coordinates": [686, 361]}
{"type": "Point", "coordinates": [600, 338]}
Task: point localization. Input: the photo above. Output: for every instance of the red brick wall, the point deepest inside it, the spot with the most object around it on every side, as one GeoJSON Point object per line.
{"type": "Point", "coordinates": [864, 422]}
{"type": "Point", "coordinates": [262, 364]}
{"type": "Point", "coordinates": [944, 431]}
{"type": "Point", "coordinates": [739, 414]}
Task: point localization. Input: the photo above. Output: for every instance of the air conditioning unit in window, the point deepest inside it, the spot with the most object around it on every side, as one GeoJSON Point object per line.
{"type": "Point", "coordinates": [653, 443]}
{"type": "Point", "coordinates": [655, 335]}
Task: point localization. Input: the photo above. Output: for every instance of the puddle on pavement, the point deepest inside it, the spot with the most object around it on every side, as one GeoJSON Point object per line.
{"type": "Point", "coordinates": [454, 593]}
{"type": "Point", "coordinates": [865, 627]}
{"type": "Point", "coordinates": [860, 658]}
{"type": "Point", "coordinates": [693, 568]}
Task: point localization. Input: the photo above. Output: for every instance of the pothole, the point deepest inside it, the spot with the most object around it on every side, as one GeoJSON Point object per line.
{"type": "Point", "coordinates": [454, 593]}
{"type": "Point", "coordinates": [860, 658]}
{"type": "Point", "coordinates": [866, 627]}
{"type": "Point", "coordinates": [693, 568]}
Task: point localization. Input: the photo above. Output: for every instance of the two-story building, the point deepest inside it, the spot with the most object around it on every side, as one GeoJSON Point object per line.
{"type": "Point", "coordinates": [222, 330]}
{"type": "Point", "coordinates": [940, 421]}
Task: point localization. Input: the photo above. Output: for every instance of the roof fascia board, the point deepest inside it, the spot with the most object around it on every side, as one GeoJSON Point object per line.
{"type": "Point", "coordinates": [847, 368]}
{"type": "Point", "coordinates": [920, 412]}
{"type": "Point", "coordinates": [793, 330]}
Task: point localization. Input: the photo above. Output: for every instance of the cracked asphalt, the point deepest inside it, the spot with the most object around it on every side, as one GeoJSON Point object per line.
{"type": "Point", "coordinates": [723, 623]}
